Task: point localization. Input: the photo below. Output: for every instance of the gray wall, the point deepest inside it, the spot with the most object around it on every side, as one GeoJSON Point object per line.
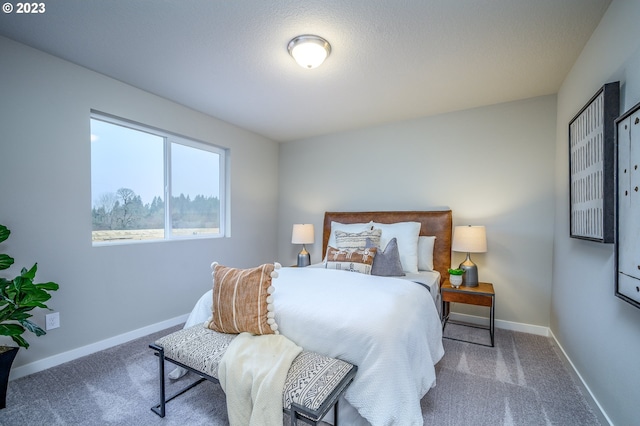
{"type": "Point", "coordinates": [504, 166]}
{"type": "Point", "coordinates": [492, 166]}
{"type": "Point", "coordinates": [599, 332]}
{"type": "Point", "coordinates": [46, 202]}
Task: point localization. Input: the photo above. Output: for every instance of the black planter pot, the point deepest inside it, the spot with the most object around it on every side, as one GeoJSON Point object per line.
{"type": "Point", "coordinates": [6, 360]}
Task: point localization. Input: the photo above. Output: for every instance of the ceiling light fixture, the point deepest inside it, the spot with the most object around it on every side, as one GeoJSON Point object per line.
{"type": "Point", "coordinates": [309, 51]}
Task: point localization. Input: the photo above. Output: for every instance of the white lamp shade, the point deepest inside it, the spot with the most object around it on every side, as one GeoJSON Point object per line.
{"type": "Point", "coordinates": [302, 234]}
{"type": "Point", "coordinates": [309, 51]}
{"type": "Point", "coordinates": [469, 239]}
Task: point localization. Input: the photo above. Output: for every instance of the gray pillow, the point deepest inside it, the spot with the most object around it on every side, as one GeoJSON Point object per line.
{"type": "Point", "coordinates": [386, 263]}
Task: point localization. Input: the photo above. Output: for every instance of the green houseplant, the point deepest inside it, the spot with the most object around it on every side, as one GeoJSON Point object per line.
{"type": "Point", "coordinates": [18, 296]}
{"type": "Point", "coordinates": [455, 277]}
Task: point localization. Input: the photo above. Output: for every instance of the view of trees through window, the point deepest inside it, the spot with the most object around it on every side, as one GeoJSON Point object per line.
{"type": "Point", "coordinates": [138, 175]}
{"type": "Point", "coordinates": [125, 210]}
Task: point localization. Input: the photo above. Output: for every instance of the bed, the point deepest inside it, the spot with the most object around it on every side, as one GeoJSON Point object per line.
{"type": "Point", "coordinates": [437, 223]}
{"type": "Point", "coordinates": [388, 326]}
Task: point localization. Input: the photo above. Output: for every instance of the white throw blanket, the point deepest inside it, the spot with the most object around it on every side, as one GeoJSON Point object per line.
{"type": "Point", "coordinates": [252, 373]}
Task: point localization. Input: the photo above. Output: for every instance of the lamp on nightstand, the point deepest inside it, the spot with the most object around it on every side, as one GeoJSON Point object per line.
{"type": "Point", "coordinates": [303, 234]}
{"type": "Point", "coordinates": [469, 239]}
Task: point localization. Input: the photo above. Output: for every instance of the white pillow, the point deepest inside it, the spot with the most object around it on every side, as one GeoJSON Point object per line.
{"type": "Point", "coordinates": [407, 235]}
{"type": "Point", "coordinates": [346, 227]}
{"type": "Point", "coordinates": [425, 253]}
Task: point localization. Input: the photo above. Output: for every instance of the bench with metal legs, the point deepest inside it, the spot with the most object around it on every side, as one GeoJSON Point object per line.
{"type": "Point", "coordinates": [313, 386]}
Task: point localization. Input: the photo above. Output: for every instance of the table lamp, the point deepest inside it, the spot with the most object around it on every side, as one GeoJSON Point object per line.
{"type": "Point", "coordinates": [303, 234]}
{"type": "Point", "coordinates": [469, 239]}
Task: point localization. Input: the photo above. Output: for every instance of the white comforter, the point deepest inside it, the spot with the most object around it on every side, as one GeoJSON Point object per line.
{"type": "Point", "coordinates": [388, 327]}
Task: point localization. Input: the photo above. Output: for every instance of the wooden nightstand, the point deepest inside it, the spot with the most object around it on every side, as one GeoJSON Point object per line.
{"type": "Point", "coordinates": [482, 295]}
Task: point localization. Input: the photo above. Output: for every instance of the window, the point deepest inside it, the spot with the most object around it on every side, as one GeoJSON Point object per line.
{"type": "Point", "coordinates": [147, 184]}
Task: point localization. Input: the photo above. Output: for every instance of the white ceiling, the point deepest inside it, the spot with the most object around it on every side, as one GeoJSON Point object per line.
{"type": "Point", "coordinates": [391, 60]}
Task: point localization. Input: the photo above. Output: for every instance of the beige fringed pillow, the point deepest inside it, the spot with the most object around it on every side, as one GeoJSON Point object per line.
{"type": "Point", "coordinates": [351, 260]}
{"type": "Point", "coordinates": [357, 240]}
{"type": "Point", "coordinates": [242, 300]}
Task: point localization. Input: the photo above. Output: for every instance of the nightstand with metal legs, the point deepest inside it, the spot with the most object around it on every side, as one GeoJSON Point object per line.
{"type": "Point", "coordinates": [482, 295]}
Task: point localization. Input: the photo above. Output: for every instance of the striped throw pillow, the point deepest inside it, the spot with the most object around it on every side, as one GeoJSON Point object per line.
{"type": "Point", "coordinates": [242, 300]}
{"type": "Point", "coordinates": [357, 240]}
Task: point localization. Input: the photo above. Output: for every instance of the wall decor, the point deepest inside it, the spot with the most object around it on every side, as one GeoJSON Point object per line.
{"type": "Point", "coordinates": [628, 207]}
{"type": "Point", "coordinates": [592, 167]}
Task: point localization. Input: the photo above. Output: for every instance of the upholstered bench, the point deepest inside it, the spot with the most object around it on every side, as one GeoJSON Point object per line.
{"type": "Point", "coordinates": [313, 385]}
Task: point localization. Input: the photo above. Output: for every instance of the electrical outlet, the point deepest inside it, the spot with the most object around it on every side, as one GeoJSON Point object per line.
{"type": "Point", "coordinates": [52, 321]}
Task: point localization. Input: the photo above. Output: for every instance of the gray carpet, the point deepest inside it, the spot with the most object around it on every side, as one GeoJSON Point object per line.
{"type": "Point", "coordinates": [521, 381]}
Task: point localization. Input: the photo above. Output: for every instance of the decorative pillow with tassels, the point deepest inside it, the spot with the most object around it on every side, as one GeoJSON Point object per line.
{"type": "Point", "coordinates": [243, 300]}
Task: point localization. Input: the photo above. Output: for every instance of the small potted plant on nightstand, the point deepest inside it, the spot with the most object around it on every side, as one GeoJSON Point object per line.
{"type": "Point", "coordinates": [455, 277]}
{"type": "Point", "coordinates": [18, 297]}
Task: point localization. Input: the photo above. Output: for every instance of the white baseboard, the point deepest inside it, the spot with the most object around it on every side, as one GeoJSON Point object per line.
{"type": "Point", "coordinates": [506, 325]}
{"type": "Point", "coordinates": [52, 361]}
{"type": "Point", "coordinates": [579, 377]}
{"type": "Point", "coordinates": [541, 331]}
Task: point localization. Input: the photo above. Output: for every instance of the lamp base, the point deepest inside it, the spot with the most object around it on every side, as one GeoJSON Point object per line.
{"type": "Point", "coordinates": [304, 258]}
{"type": "Point", "coordinates": [470, 276]}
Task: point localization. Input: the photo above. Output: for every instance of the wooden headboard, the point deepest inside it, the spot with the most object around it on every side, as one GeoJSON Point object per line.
{"type": "Point", "coordinates": [436, 223]}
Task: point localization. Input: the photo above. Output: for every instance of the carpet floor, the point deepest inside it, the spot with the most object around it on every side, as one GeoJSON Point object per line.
{"type": "Point", "coordinates": [521, 381]}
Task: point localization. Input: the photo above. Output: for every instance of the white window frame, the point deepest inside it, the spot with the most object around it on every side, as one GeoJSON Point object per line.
{"type": "Point", "coordinates": [169, 139]}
